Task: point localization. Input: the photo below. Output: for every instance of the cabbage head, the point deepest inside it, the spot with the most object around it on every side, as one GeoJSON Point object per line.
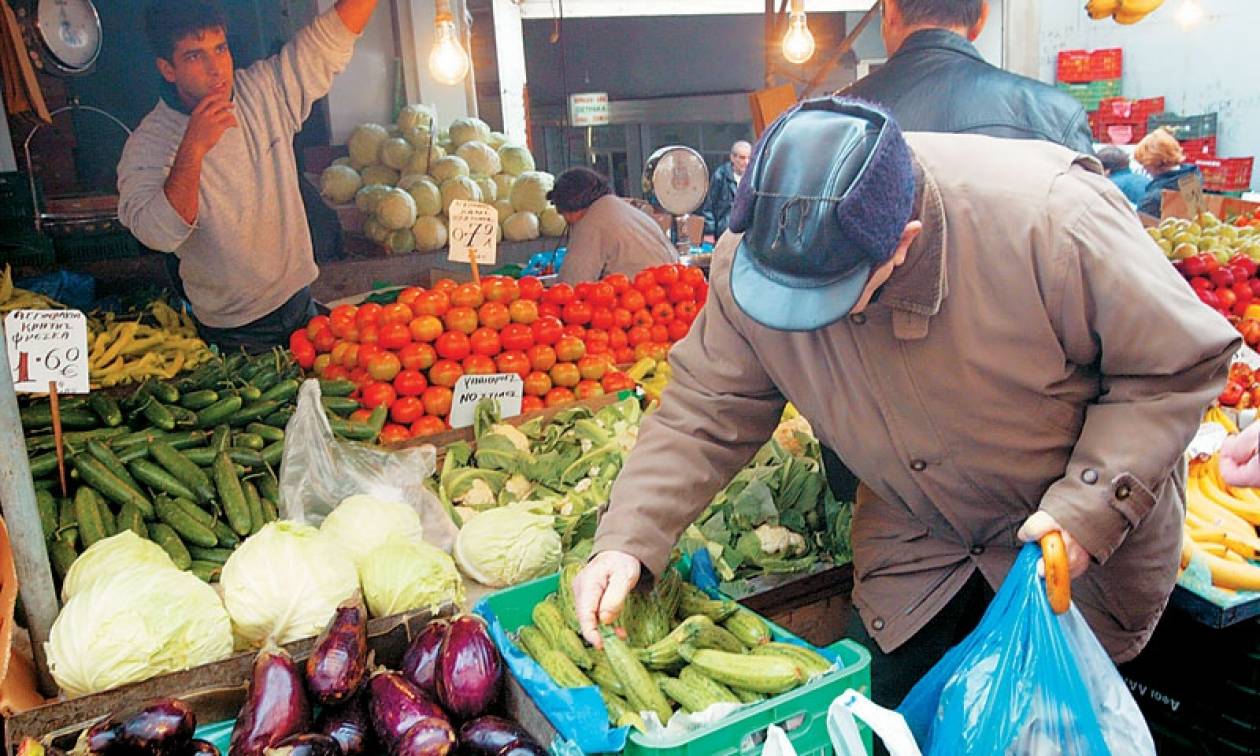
{"type": "Point", "coordinates": [521, 226]}
{"type": "Point", "coordinates": [504, 183]}
{"type": "Point", "coordinates": [415, 115]}
{"type": "Point", "coordinates": [359, 524]}
{"type": "Point", "coordinates": [504, 208]}
{"type": "Point", "coordinates": [375, 230]}
{"type": "Point", "coordinates": [111, 556]}
{"type": "Point", "coordinates": [459, 188]}
{"type": "Point", "coordinates": [469, 130]}
{"type": "Point", "coordinates": [552, 223]}
{"type": "Point", "coordinates": [497, 139]}
{"type": "Point", "coordinates": [342, 161]}
{"type": "Point", "coordinates": [515, 159]}
{"type": "Point", "coordinates": [284, 583]}
{"type": "Point", "coordinates": [396, 209]}
{"type": "Point", "coordinates": [430, 233]}
{"type": "Point", "coordinates": [396, 152]}
{"type": "Point", "coordinates": [529, 191]}
{"type": "Point", "coordinates": [428, 197]}
{"type": "Point", "coordinates": [400, 242]}
{"type": "Point", "coordinates": [338, 183]}
{"type": "Point", "coordinates": [403, 575]}
{"type": "Point", "coordinates": [408, 180]}
{"type": "Point", "coordinates": [135, 625]}
{"type": "Point", "coordinates": [448, 168]}
{"type": "Point", "coordinates": [379, 174]}
{"type": "Point", "coordinates": [365, 143]}
{"type": "Point", "coordinates": [508, 545]}
{"type": "Point", "coordinates": [482, 161]}
{"type": "Point", "coordinates": [489, 190]}
{"type": "Point", "coordinates": [422, 158]}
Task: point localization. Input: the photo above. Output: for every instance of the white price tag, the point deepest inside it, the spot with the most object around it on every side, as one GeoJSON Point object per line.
{"type": "Point", "coordinates": [506, 388]}
{"type": "Point", "coordinates": [47, 345]}
{"type": "Point", "coordinates": [473, 232]}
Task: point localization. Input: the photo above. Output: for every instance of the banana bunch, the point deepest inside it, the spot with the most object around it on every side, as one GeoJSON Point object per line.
{"type": "Point", "coordinates": [651, 376]}
{"type": "Point", "coordinates": [1221, 526]}
{"type": "Point", "coordinates": [12, 298]}
{"type": "Point", "coordinates": [1123, 11]}
{"type": "Point", "coordinates": [131, 351]}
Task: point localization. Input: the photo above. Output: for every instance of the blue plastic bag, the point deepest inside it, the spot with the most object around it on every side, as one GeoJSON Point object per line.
{"type": "Point", "coordinates": [1026, 681]}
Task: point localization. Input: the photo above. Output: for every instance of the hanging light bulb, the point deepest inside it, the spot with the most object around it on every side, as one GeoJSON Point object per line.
{"type": "Point", "coordinates": [798, 43]}
{"type": "Point", "coordinates": [1189, 14]}
{"type": "Point", "coordinates": [448, 62]}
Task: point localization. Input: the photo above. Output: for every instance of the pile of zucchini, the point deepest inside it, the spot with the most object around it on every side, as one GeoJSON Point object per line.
{"type": "Point", "coordinates": [191, 464]}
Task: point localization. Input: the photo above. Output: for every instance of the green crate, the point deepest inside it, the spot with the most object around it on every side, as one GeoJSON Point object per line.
{"type": "Point", "coordinates": [25, 247]}
{"type": "Point", "coordinates": [1090, 95]}
{"type": "Point", "coordinates": [801, 712]}
{"type": "Point", "coordinates": [74, 248]}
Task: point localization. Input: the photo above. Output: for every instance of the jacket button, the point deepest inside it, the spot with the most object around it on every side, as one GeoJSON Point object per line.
{"type": "Point", "coordinates": [1089, 476]}
{"type": "Point", "coordinates": [918, 465]}
{"type": "Point", "coordinates": [1123, 491]}
{"type": "Point", "coordinates": [878, 624]}
{"type": "Point", "coordinates": [977, 550]}
{"type": "Point", "coordinates": [857, 318]}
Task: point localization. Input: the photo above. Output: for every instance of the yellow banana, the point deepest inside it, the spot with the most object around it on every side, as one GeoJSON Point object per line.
{"type": "Point", "coordinates": [1201, 505]}
{"type": "Point", "coordinates": [1139, 6]}
{"type": "Point", "coordinates": [1100, 9]}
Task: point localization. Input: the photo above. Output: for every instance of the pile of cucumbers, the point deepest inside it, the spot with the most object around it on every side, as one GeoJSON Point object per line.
{"type": "Point", "coordinates": [192, 464]}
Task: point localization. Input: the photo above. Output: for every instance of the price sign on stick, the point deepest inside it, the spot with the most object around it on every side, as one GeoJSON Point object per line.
{"type": "Point", "coordinates": [505, 388]}
{"type": "Point", "coordinates": [1191, 188]}
{"type": "Point", "coordinates": [473, 234]}
{"type": "Point", "coordinates": [47, 347]}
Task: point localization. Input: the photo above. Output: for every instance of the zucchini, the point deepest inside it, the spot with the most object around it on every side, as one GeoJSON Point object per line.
{"type": "Point", "coordinates": [168, 539]}
{"type": "Point", "coordinates": [105, 408]}
{"type": "Point", "coordinates": [231, 495]}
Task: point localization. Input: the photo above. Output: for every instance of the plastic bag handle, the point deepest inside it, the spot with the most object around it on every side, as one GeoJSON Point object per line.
{"type": "Point", "coordinates": [1058, 579]}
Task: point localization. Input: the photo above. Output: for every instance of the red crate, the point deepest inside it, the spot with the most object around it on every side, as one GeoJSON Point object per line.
{"type": "Point", "coordinates": [1073, 66]}
{"type": "Point", "coordinates": [1121, 133]}
{"type": "Point", "coordinates": [1226, 174]}
{"type": "Point", "coordinates": [1080, 66]}
{"type": "Point", "coordinates": [1121, 110]}
{"type": "Point", "coordinates": [1199, 148]}
{"type": "Point", "coordinates": [1106, 64]}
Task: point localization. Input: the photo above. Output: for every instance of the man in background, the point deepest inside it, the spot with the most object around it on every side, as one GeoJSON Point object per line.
{"type": "Point", "coordinates": [1119, 169]}
{"type": "Point", "coordinates": [717, 206]}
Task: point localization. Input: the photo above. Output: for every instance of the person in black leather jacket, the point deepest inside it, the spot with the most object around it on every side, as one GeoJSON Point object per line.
{"type": "Point", "coordinates": [722, 185]}
{"type": "Point", "coordinates": [936, 80]}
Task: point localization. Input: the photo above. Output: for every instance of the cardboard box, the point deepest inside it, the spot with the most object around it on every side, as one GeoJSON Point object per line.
{"type": "Point", "coordinates": [1174, 206]}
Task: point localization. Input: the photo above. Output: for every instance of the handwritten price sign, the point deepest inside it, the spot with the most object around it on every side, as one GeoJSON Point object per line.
{"type": "Point", "coordinates": [505, 388]}
{"type": "Point", "coordinates": [474, 232]}
{"type": "Point", "coordinates": [47, 345]}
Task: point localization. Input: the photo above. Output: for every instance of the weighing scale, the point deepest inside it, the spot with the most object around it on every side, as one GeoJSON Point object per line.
{"type": "Point", "coordinates": [678, 180]}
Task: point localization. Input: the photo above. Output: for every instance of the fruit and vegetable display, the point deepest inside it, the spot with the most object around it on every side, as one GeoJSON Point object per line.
{"type": "Point", "coordinates": [13, 298]}
{"type": "Point", "coordinates": [405, 178]}
{"type": "Point", "coordinates": [564, 341]}
{"type": "Point", "coordinates": [1221, 521]}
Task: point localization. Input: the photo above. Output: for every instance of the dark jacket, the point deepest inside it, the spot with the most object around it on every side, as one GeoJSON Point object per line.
{"type": "Point", "coordinates": [1152, 202]}
{"type": "Point", "coordinates": [717, 206]}
{"type": "Point", "coordinates": [1132, 184]}
{"type": "Point", "coordinates": [937, 81]}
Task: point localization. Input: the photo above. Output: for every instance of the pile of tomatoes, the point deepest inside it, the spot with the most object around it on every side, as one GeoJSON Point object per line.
{"type": "Point", "coordinates": [564, 341]}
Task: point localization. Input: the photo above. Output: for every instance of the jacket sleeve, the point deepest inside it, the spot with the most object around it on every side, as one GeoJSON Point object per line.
{"type": "Point", "coordinates": [142, 204]}
{"type": "Point", "coordinates": [1079, 137]}
{"type": "Point", "coordinates": [303, 71]}
{"type": "Point", "coordinates": [584, 258]}
{"type": "Point", "coordinates": [1161, 357]}
{"type": "Point", "coordinates": [718, 410]}
{"type": "Point", "coordinates": [710, 203]}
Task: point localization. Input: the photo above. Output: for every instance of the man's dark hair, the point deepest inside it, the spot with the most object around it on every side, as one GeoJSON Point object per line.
{"type": "Point", "coordinates": [944, 12]}
{"type": "Point", "coordinates": [166, 22]}
{"type": "Point", "coordinates": [1113, 159]}
{"type": "Point", "coordinates": [577, 189]}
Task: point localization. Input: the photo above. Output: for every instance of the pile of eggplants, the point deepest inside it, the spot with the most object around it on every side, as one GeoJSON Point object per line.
{"type": "Point", "coordinates": [162, 727]}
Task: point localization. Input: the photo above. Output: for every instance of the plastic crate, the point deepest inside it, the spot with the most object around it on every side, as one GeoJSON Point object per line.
{"type": "Point", "coordinates": [1184, 127]}
{"type": "Point", "coordinates": [25, 247]}
{"type": "Point", "coordinates": [1073, 66]}
{"type": "Point", "coordinates": [15, 198]}
{"type": "Point", "coordinates": [1199, 148]}
{"type": "Point", "coordinates": [1122, 110]}
{"type": "Point", "coordinates": [801, 712]}
{"type": "Point", "coordinates": [1090, 95]}
{"type": "Point", "coordinates": [1079, 66]}
{"type": "Point", "coordinates": [107, 246]}
{"type": "Point", "coordinates": [1226, 174]}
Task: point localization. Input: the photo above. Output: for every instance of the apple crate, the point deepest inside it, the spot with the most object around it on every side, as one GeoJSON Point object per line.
{"type": "Point", "coordinates": [1226, 174]}
{"type": "Point", "coordinates": [1199, 148]}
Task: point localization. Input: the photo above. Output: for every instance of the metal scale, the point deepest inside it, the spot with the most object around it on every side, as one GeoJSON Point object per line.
{"type": "Point", "coordinates": [678, 178]}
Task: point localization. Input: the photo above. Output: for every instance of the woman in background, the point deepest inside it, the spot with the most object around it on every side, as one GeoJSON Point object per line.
{"type": "Point", "coordinates": [1162, 157]}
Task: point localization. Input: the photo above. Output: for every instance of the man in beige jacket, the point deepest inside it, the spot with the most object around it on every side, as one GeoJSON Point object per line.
{"type": "Point", "coordinates": [983, 331]}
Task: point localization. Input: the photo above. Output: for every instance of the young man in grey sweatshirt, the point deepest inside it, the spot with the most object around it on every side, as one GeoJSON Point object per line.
{"type": "Point", "coordinates": [210, 175]}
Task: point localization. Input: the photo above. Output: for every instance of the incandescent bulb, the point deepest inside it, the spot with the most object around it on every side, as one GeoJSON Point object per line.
{"type": "Point", "coordinates": [798, 43]}
{"type": "Point", "coordinates": [447, 61]}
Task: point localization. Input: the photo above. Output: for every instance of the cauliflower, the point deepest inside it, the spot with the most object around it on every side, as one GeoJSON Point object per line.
{"type": "Point", "coordinates": [786, 435]}
{"type": "Point", "coordinates": [776, 539]}
{"type": "Point", "coordinates": [479, 496]}
{"type": "Point", "coordinates": [519, 486]}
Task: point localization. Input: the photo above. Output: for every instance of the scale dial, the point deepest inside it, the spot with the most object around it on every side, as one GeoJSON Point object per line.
{"type": "Point", "coordinates": [678, 177]}
{"type": "Point", "coordinates": [70, 33]}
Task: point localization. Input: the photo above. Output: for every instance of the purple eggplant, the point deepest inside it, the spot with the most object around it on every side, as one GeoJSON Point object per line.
{"type": "Point", "coordinates": [201, 748]}
{"type": "Point", "coordinates": [275, 707]}
{"type": "Point", "coordinates": [469, 670]}
{"type": "Point", "coordinates": [495, 736]}
{"type": "Point", "coordinates": [162, 727]}
{"type": "Point", "coordinates": [419, 664]}
{"type": "Point", "coordinates": [397, 705]}
{"type": "Point", "coordinates": [338, 662]}
{"type": "Point", "coordinates": [99, 738]}
{"type": "Point", "coordinates": [431, 736]}
{"type": "Point", "coordinates": [306, 744]}
{"type": "Point", "coordinates": [349, 725]}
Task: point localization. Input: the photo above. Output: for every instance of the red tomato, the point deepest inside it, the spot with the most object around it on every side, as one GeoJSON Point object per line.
{"type": "Point", "coordinates": [531, 288]}
{"type": "Point", "coordinates": [462, 319]}
{"type": "Point", "coordinates": [575, 313]}
{"type": "Point", "coordinates": [702, 293]}
{"type": "Point", "coordinates": [304, 355]}
{"type": "Point", "coordinates": [410, 382]}
{"type": "Point", "coordinates": [384, 366]}
{"type": "Point", "coordinates": [617, 338]}
{"type": "Point", "coordinates": [573, 332]}
{"type": "Point", "coordinates": [597, 342]}
{"type": "Point", "coordinates": [445, 285]}
{"type": "Point", "coordinates": [666, 274]}
{"type": "Point", "coordinates": [644, 280]}
{"type": "Point", "coordinates": [324, 340]}
{"type": "Point", "coordinates": [394, 434]}
{"type": "Point", "coordinates": [570, 349]}
{"type": "Point", "coordinates": [549, 310]}
{"type": "Point", "coordinates": [376, 393]}
{"type": "Point", "coordinates": [622, 318]}
{"type": "Point", "coordinates": [369, 334]}
{"type": "Point", "coordinates": [681, 292]}
{"type": "Point", "coordinates": [409, 295]}
{"type": "Point", "coordinates": [592, 368]}
{"type": "Point", "coordinates": [678, 329]}
{"type": "Point", "coordinates": [485, 342]}
{"type": "Point", "coordinates": [660, 333]}
{"type": "Point", "coordinates": [516, 337]}
{"type": "Point", "coordinates": [342, 312]}
{"type": "Point", "coordinates": [406, 410]}
{"type": "Point", "coordinates": [638, 335]}
{"type": "Point", "coordinates": [523, 311]}
{"type": "Point", "coordinates": [361, 415]}
{"type": "Point", "coordinates": [537, 383]}
{"type": "Point", "coordinates": [623, 355]}
{"type": "Point", "coordinates": [559, 295]}
{"type": "Point", "coordinates": [500, 289]}
{"type": "Point", "coordinates": [603, 295]}
{"type": "Point", "coordinates": [434, 303]}
{"type": "Point", "coordinates": [342, 322]}
{"type": "Point", "coordinates": [369, 314]}
{"type": "Point", "coordinates": [602, 318]}
{"type": "Point", "coordinates": [633, 300]}
{"type": "Point", "coordinates": [437, 401]}
{"type": "Point", "coordinates": [345, 353]}
{"type": "Point", "coordinates": [395, 336]}
{"type": "Point", "coordinates": [425, 328]}
{"type": "Point", "coordinates": [588, 389]}
{"type": "Point", "coordinates": [582, 292]}
{"type": "Point", "coordinates": [693, 277]}
{"type": "Point", "coordinates": [558, 396]}
{"type": "Point", "coordinates": [546, 330]}
{"type": "Point", "coordinates": [686, 311]}
{"type": "Point", "coordinates": [662, 313]}
{"type": "Point", "coordinates": [319, 364]}
{"type": "Point", "coordinates": [427, 426]}
{"type": "Point", "coordinates": [300, 336]}
{"type": "Point", "coordinates": [644, 318]}
{"type": "Point", "coordinates": [334, 373]}
{"type": "Point", "coordinates": [531, 403]}
{"type": "Point", "coordinates": [655, 296]}
{"type": "Point", "coordinates": [365, 354]}
{"type": "Point", "coordinates": [658, 350]}
{"type": "Point", "coordinates": [541, 357]}
{"type": "Point", "coordinates": [453, 345]}
{"type": "Point", "coordinates": [615, 380]}
{"type": "Point", "coordinates": [494, 315]}
{"type": "Point", "coordinates": [619, 281]}
{"type": "Point", "coordinates": [478, 364]}
{"type": "Point", "coordinates": [565, 374]}
{"type": "Point", "coordinates": [444, 373]}
{"type": "Point", "coordinates": [467, 295]}
{"type": "Point", "coordinates": [360, 377]}
{"type": "Point", "coordinates": [317, 324]}
{"type": "Point", "coordinates": [513, 362]}
{"type": "Point", "coordinates": [396, 313]}
{"type": "Point", "coordinates": [417, 356]}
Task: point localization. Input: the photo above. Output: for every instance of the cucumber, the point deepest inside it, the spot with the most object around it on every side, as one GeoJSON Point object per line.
{"type": "Point", "coordinates": [218, 412]}
{"type": "Point", "coordinates": [185, 439]}
{"type": "Point", "coordinates": [67, 523]}
{"type": "Point", "coordinates": [207, 571]}
{"type": "Point", "coordinates": [196, 512]}
{"type": "Point", "coordinates": [377, 419]}
{"type": "Point", "coordinates": [190, 531]}
{"type": "Point", "coordinates": [40, 416]}
{"type": "Point", "coordinates": [45, 484]}
{"type": "Point", "coordinates": [224, 533]}
{"type": "Point", "coordinates": [158, 414]}
{"type": "Point", "coordinates": [245, 457]}
{"type": "Point", "coordinates": [340, 387]}
{"type": "Point", "coordinates": [340, 405]}
{"type": "Point", "coordinates": [265, 381]}
{"type": "Point", "coordinates": [155, 477]}
{"type": "Point", "coordinates": [48, 442]}
{"type": "Point", "coordinates": [280, 418]}
{"type": "Point", "coordinates": [184, 471]}
{"type": "Point", "coordinates": [106, 456]}
{"type": "Point", "coordinates": [129, 518]}
{"type": "Point", "coordinates": [218, 556]}
{"type": "Point", "coordinates": [271, 512]}
{"type": "Point", "coordinates": [44, 464]}
{"type": "Point", "coordinates": [284, 391]}
{"type": "Point", "coordinates": [269, 487]}
{"type": "Point", "coordinates": [256, 516]}
{"type": "Point", "coordinates": [268, 433]}
{"type": "Point", "coordinates": [199, 400]}
{"type": "Point", "coordinates": [163, 392]}
{"type": "Point", "coordinates": [249, 441]}
{"type": "Point", "coordinates": [87, 513]}
{"type": "Point", "coordinates": [163, 535]}
{"type": "Point", "coordinates": [273, 453]}
{"type": "Point", "coordinates": [107, 517]}
{"type": "Point", "coordinates": [249, 393]}
{"type": "Point", "coordinates": [61, 554]}
{"type": "Point", "coordinates": [129, 454]}
{"type": "Point", "coordinates": [184, 417]}
{"type": "Point", "coordinates": [47, 506]}
{"type": "Point", "coordinates": [202, 457]}
{"type": "Point", "coordinates": [105, 408]}
{"type": "Point", "coordinates": [221, 438]}
{"type": "Point", "coordinates": [145, 436]}
{"type": "Point", "coordinates": [231, 495]}
{"type": "Point", "coordinates": [352, 430]}
{"type": "Point", "coordinates": [256, 411]}
{"type": "Point", "coordinates": [94, 474]}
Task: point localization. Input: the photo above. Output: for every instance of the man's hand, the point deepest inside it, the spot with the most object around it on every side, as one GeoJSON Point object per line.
{"type": "Point", "coordinates": [1041, 523]}
{"type": "Point", "coordinates": [600, 590]}
{"type": "Point", "coordinates": [213, 116]}
{"type": "Point", "coordinates": [1240, 458]}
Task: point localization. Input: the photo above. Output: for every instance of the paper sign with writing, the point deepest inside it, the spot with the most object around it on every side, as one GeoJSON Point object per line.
{"type": "Point", "coordinates": [474, 232]}
{"type": "Point", "coordinates": [47, 345]}
{"type": "Point", "coordinates": [1191, 188]}
{"type": "Point", "coordinates": [589, 109]}
{"type": "Point", "coordinates": [505, 388]}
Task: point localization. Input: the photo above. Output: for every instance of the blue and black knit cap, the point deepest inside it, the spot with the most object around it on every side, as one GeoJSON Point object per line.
{"type": "Point", "coordinates": [823, 203]}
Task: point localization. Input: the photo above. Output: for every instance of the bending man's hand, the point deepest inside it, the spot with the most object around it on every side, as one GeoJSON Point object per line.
{"type": "Point", "coordinates": [1041, 523]}
{"type": "Point", "coordinates": [1240, 460]}
{"type": "Point", "coordinates": [600, 590]}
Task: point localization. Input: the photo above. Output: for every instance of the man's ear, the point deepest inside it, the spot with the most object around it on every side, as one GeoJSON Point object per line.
{"type": "Point", "coordinates": [165, 68]}
{"type": "Point", "coordinates": [978, 27]}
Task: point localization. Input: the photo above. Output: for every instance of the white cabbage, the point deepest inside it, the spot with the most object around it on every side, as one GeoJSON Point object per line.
{"type": "Point", "coordinates": [415, 115]}
{"type": "Point", "coordinates": [448, 168]}
{"type": "Point", "coordinates": [468, 130]}
{"type": "Point", "coordinates": [504, 183]}
{"type": "Point", "coordinates": [403, 575]}
{"type": "Point", "coordinates": [504, 208]}
{"type": "Point", "coordinates": [422, 158]}
{"type": "Point", "coordinates": [508, 545]}
{"type": "Point", "coordinates": [459, 188]}
{"type": "Point", "coordinates": [481, 159]}
{"type": "Point", "coordinates": [430, 233]}
{"type": "Point", "coordinates": [400, 242]}
{"type": "Point", "coordinates": [428, 197]}
{"type": "Point", "coordinates": [111, 556]}
{"type": "Point", "coordinates": [497, 139]}
{"type": "Point", "coordinates": [396, 152]}
{"type": "Point", "coordinates": [375, 230]}
{"type": "Point", "coordinates": [379, 174]}
{"type": "Point", "coordinates": [359, 524]}
{"type": "Point", "coordinates": [489, 190]}
{"type": "Point", "coordinates": [552, 223]}
{"type": "Point", "coordinates": [515, 159]}
{"type": "Point", "coordinates": [529, 191]}
{"type": "Point", "coordinates": [365, 143]}
{"type": "Point", "coordinates": [396, 209]}
{"type": "Point", "coordinates": [521, 226]}
{"type": "Point", "coordinates": [366, 198]}
{"type": "Point", "coordinates": [338, 183]}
